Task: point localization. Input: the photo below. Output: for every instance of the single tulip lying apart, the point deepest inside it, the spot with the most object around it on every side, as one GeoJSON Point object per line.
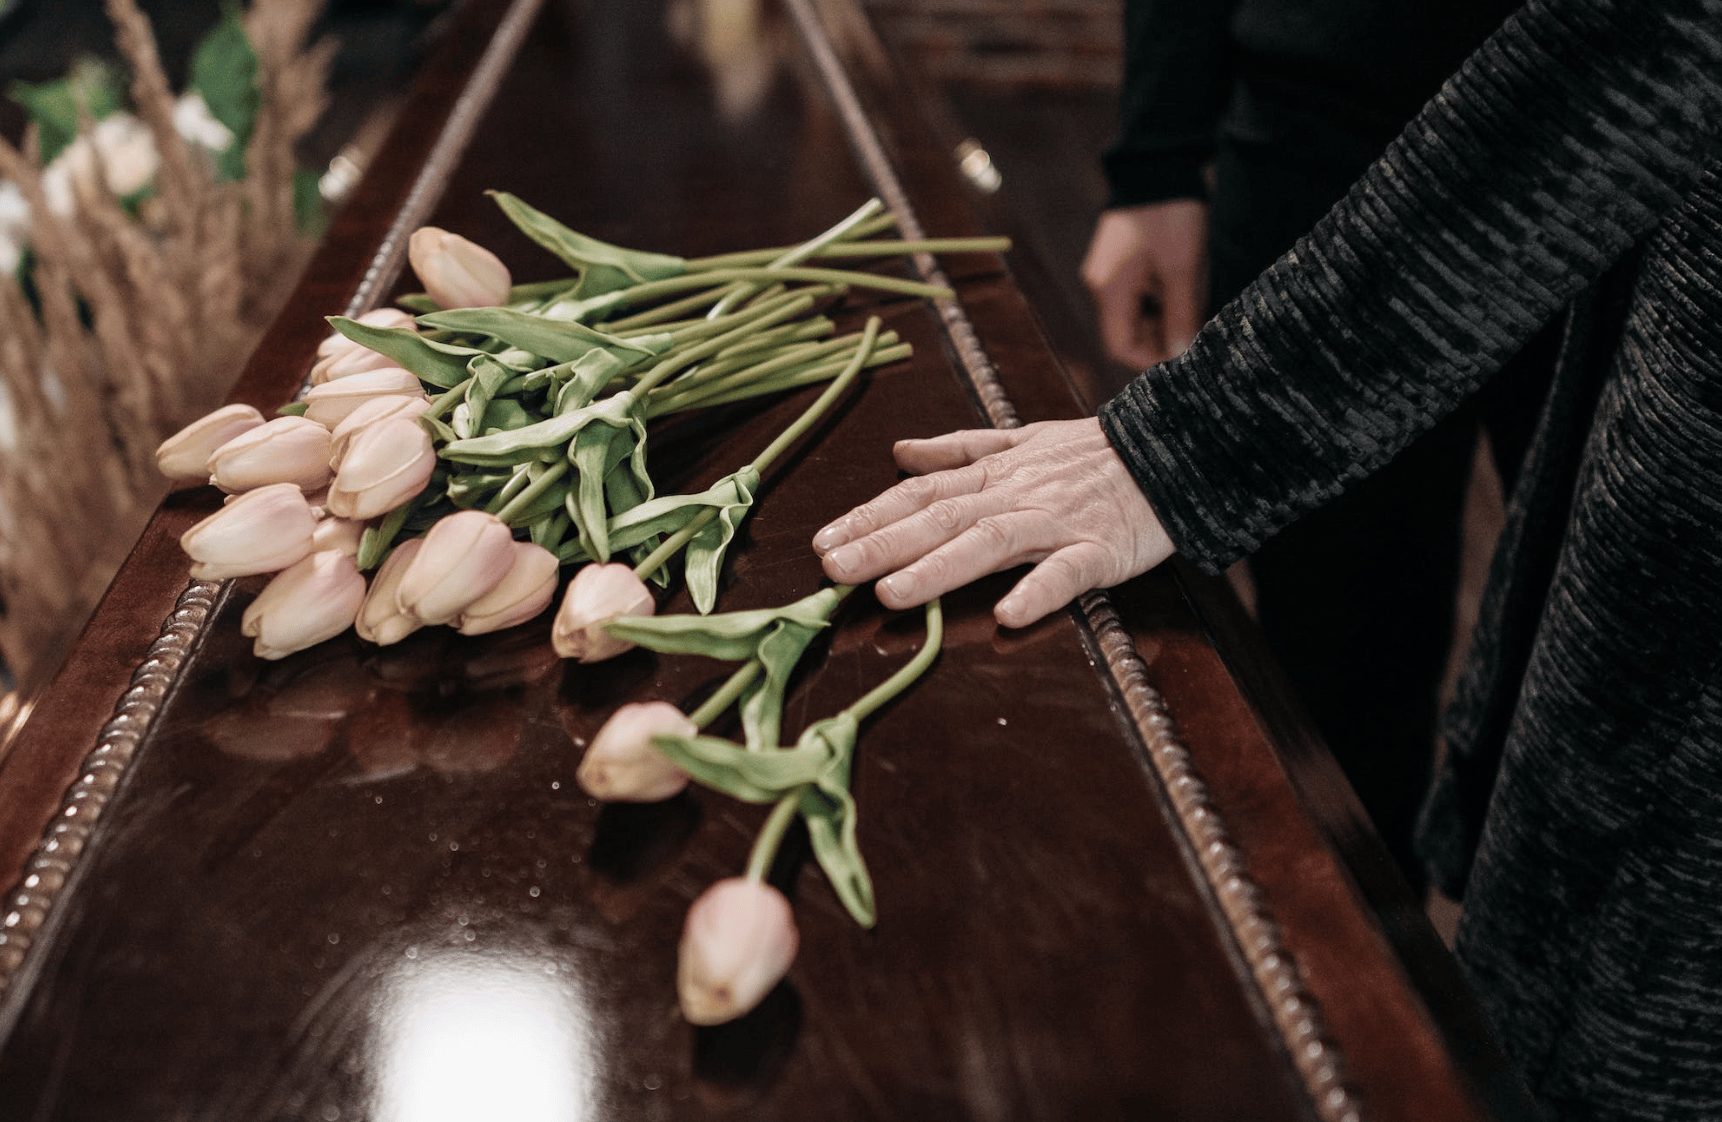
{"type": "Point", "coordinates": [597, 595]}
{"type": "Point", "coordinates": [738, 942]}
{"type": "Point", "coordinates": [623, 765]}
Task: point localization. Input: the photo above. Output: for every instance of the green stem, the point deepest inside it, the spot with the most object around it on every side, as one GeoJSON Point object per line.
{"type": "Point", "coordinates": [744, 368]}
{"type": "Point", "coordinates": [667, 313]}
{"type": "Point", "coordinates": [652, 290]}
{"type": "Point", "coordinates": [723, 260]}
{"type": "Point", "coordinates": [447, 400]}
{"type": "Point", "coordinates": [805, 250]}
{"type": "Point", "coordinates": [857, 248]}
{"type": "Point", "coordinates": [810, 416]}
{"type": "Point", "coordinates": [771, 836]}
{"type": "Point", "coordinates": [714, 706]}
{"type": "Point", "coordinates": [706, 328]}
{"type": "Point", "coordinates": [746, 324]}
{"type": "Point", "coordinates": [375, 542]}
{"type": "Point", "coordinates": [525, 498]}
{"type": "Point", "coordinates": [520, 479]}
{"type": "Point", "coordinates": [728, 392]}
{"type": "Point", "coordinates": [673, 544]}
{"type": "Point", "coordinates": [906, 675]}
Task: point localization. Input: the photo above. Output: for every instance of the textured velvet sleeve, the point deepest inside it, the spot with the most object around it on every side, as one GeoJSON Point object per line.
{"type": "Point", "coordinates": [1556, 147]}
{"type": "Point", "coordinates": [1176, 74]}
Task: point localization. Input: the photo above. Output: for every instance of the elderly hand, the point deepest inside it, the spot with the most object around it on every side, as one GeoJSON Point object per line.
{"type": "Point", "coordinates": [983, 500]}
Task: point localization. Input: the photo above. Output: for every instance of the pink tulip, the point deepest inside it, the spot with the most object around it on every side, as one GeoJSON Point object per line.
{"type": "Point", "coordinates": [285, 450]}
{"type": "Point", "coordinates": [464, 556]}
{"type": "Point", "coordinates": [457, 273]}
{"type": "Point", "coordinates": [185, 454]}
{"type": "Point", "coordinates": [737, 944]}
{"type": "Point", "coordinates": [345, 364]}
{"type": "Point", "coordinates": [523, 593]}
{"type": "Point", "coordinates": [339, 534]}
{"type": "Point", "coordinates": [381, 620]}
{"type": "Point", "coordinates": [372, 412]}
{"type": "Point", "coordinates": [330, 403]}
{"type": "Point", "coordinates": [310, 601]}
{"type": "Point", "coordinates": [597, 595]}
{"type": "Point", "coordinates": [261, 531]}
{"type": "Point", "coordinates": [385, 466]}
{"type": "Point", "coordinates": [623, 766]}
{"type": "Point", "coordinates": [338, 343]}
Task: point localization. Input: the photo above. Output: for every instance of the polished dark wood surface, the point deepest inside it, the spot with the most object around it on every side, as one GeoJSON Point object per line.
{"type": "Point", "coordinates": [362, 883]}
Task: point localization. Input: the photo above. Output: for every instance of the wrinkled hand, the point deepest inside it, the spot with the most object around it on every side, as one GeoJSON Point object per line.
{"type": "Point", "coordinates": [983, 500]}
{"type": "Point", "coordinates": [1159, 251]}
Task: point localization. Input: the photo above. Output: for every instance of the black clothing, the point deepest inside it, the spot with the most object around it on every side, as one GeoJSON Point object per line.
{"type": "Point", "coordinates": [1334, 79]}
{"type": "Point", "coordinates": [1292, 101]}
{"type": "Point", "coordinates": [1581, 809]}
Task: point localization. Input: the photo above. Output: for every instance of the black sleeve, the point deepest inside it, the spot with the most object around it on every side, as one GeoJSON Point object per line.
{"type": "Point", "coordinates": [1176, 77]}
{"type": "Point", "coordinates": [1557, 146]}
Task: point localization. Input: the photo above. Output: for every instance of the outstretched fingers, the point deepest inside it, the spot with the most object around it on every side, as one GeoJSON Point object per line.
{"type": "Point", "coordinates": [993, 543]}
{"type": "Point", "coordinates": [954, 449]}
{"type": "Point", "coordinates": [900, 502]}
{"type": "Point", "coordinates": [1053, 583]}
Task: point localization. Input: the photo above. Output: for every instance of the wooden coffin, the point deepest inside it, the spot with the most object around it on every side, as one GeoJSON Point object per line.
{"type": "Point", "coordinates": [1116, 878]}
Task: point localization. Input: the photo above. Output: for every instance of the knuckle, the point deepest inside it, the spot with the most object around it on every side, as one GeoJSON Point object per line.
{"type": "Point", "coordinates": [946, 515]}
{"type": "Point", "coordinates": [995, 534]}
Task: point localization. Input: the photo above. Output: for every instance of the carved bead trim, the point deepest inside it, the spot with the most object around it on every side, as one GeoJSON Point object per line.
{"type": "Point", "coordinates": [1279, 983]}
{"type": "Point", "coordinates": [29, 908]}
{"type": "Point", "coordinates": [68, 833]}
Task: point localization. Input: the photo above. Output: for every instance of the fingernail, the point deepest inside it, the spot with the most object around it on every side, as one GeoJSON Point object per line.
{"type": "Point", "coordinates": [1009, 609]}
{"type": "Point", "coordinates": [827, 539]}
{"type": "Point", "coordinates": [901, 586]}
{"type": "Point", "coordinates": [843, 560]}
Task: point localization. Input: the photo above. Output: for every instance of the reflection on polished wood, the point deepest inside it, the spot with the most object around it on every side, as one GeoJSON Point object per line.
{"type": "Point", "coordinates": [361, 883]}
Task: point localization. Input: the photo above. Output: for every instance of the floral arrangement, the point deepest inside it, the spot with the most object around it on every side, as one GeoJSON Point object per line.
{"type": "Point", "coordinates": [453, 458]}
{"type": "Point", "coordinates": [144, 237]}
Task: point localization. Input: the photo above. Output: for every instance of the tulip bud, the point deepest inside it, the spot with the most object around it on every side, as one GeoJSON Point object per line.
{"type": "Point", "coordinates": [330, 403]}
{"type": "Point", "coordinates": [737, 944]}
{"type": "Point", "coordinates": [338, 343]}
{"type": "Point", "coordinates": [285, 450]}
{"type": "Point", "coordinates": [347, 363]}
{"type": "Point", "coordinates": [261, 531]}
{"type": "Point", "coordinates": [597, 595]}
{"type": "Point", "coordinates": [381, 621]}
{"type": "Point", "coordinates": [374, 411]}
{"type": "Point", "coordinates": [385, 465]}
{"type": "Point", "coordinates": [623, 766]}
{"type": "Point", "coordinates": [313, 600]}
{"type": "Point", "coordinates": [339, 534]}
{"type": "Point", "coordinates": [185, 454]}
{"type": "Point", "coordinates": [523, 593]}
{"type": "Point", "coordinates": [465, 555]}
{"type": "Point", "coordinates": [457, 273]}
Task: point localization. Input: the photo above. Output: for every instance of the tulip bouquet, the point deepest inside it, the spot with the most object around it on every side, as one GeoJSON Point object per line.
{"type": "Point", "coordinates": [451, 458]}
{"type": "Point", "coordinates": [740, 935]}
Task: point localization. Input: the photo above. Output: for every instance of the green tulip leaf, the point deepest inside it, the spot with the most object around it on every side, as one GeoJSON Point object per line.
{"type": "Point", "coordinates": [779, 652]}
{"type": "Point", "coordinates": [602, 267]}
{"type": "Point", "coordinates": [443, 365]}
{"type": "Point", "coordinates": [558, 341]}
{"type": "Point", "coordinates": [614, 436]}
{"type": "Point", "coordinates": [730, 497]}
{"type": "Point", "coordinates": [586, 378]}
{"type": "Point", "coordinates": [755, 777]}
{"type": "Point", "coordinates": [726, 636]}
{"type": "Point", "coordinates": [829, 811]}
{"type": "Point", "coordinates": [488, 378]}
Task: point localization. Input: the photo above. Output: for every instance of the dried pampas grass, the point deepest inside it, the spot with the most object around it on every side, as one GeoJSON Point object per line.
{"type": "Point", "coordinates": [140, 324]}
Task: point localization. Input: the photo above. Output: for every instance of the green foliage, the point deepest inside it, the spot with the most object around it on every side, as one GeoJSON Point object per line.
{"type": "Point", "coordinates": [601, 267]}
{"type": "Point", "coordinates": [92, 87]}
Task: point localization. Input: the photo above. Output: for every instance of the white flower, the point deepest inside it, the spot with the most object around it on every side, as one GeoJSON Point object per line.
{"type": "Point", "coordinates": [193, 121]}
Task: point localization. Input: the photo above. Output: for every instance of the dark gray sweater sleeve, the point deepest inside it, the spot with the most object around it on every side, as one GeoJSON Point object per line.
{"type": "Point", "coordinates": [1557, 146]}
